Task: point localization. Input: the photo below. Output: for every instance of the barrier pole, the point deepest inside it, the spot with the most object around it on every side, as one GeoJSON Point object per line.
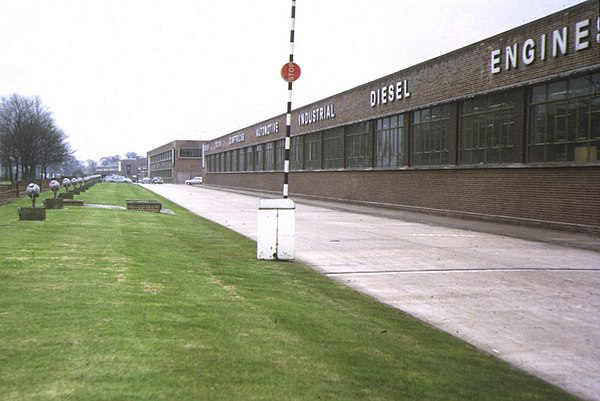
{"type": "Point", "coordinates": [288, 116]}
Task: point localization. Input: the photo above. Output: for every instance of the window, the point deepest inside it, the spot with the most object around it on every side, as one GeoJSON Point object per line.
{"type": "Point", "coordinates": [161, 157]}
{"type": "Point", "coordinates": [242, 159]}
{"type": "Point", "coordinates": [250, 158]}
{"type": "Point", "coordinates": [191, 152]}
{"type": "Point", "coordinates": [296, 152]}
{"type": "Point", "coordinates": [269, 156]}
{"type": "Point", "coordinates": [430, 136]}
{"type": "Point", "coordinates": [258, 157]}
{"type": "Point", "coordinates": [333, 148]}
{"type": "Point", "coordinates": [234, 160]}
{"type": "Point", "coordinates": [358, 145]}
{"type": "Point", "coordinates": [279, 154]}
{"type": "Point", "coordinates": [388, 142]}
{"type": "Point", "coordinates": [227, 161]}
{"type": "Point", "coordinates": [212, 163]}
{"type": "Point", "coordinates": [486, 126]}
{"type": "Point", "coordinates": [222, 164]}
{"type": "Point", "coordinates": [312, 151]}
{"type": "Point", "coordinates": [162, 173]}
{"type": "Point", "coordinates": [564, 121]}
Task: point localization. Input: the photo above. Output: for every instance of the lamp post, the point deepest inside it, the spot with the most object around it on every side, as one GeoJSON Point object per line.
{"type": "Point", "coordinates": [32, 213]}
{"type": "Point", "coordinates": [33, 191]}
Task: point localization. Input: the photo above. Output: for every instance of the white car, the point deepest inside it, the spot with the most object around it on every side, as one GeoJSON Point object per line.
{"type": "Point", "coordinates": [194, 181]}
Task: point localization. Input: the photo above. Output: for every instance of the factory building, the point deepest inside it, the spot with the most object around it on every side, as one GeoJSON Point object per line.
{"type": "Point", "coordinates": [176, 161]}
{"type": "Point", "coordinates": [506, 129]}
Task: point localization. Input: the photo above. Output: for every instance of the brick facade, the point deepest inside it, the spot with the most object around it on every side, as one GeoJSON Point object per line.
{"type": "Point", "coordinates": [176, 164]}
{"type": "Point", "coordinates": [566, 195]}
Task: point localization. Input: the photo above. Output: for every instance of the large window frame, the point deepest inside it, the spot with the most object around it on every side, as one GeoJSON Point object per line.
{"type": "Point", "coordinates": [242, 159]}
{"type": "Point", "coordinates": [227, 167]}
{"type": "Point", "coordinates": [250, 158]}
{"type": "Point", "coordinates": [279, 154]}
{"type": "Point", "coordinates": [312, 151]}
{"type": "Point", "coordinates": [358, 145]}
{"type": "Point", "coordinates": [430, 129]}
{"type": "Point", "coordinates": [297, 153]}
{"type": "Point", "coordinates": [333, 148]}
{"type": "Point", "coordinates": [389, 153]}
{"type": "Point", "coordinates": [190, 153]}
{"type": "Point", "coordinates": [161, 157]}
{"type": "Point", "coordinates": [486, 126]}
{"type": "Point", "coordinates": [269, 156]}
{"type": "Point", "coordinates": [234, 160]}
{"type": "Point", "coordinates": [222, 168]}
{"type": "Point", "coordinates": [564, 121]}
{"type": "Point", "coordinates": [166, 173]}
{"type": "Point", "coordinates": [258, 157]}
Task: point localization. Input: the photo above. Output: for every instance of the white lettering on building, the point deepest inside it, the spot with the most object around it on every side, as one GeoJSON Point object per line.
{"type": "Point", "coordinates": [556, 44]}
{"type": "Point", "coordinates": [239, 137]}
{"type": "Point", "coordinates": [390, 93]}
{"type": "Point", "coordinates": [316, 115]}
{"type": "Point", "coordinates": [268, 129]}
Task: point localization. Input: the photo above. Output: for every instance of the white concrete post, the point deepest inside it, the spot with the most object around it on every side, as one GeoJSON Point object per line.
{"type": "Point", "coordinates": [276, 228]}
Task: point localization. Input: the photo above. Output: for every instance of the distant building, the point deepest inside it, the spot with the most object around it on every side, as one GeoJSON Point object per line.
{"type": "Point", "coordinates": [176, 161]}
{"type": "Point", "coordinates": [108, 170]}
{"type": "Point", "coordinates": [128, 168]}
{"type": "Point", "coordinates": [142, 167]}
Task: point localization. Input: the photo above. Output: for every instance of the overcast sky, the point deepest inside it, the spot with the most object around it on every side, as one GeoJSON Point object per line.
{"type": "Point", "coordinates": [132, 75]}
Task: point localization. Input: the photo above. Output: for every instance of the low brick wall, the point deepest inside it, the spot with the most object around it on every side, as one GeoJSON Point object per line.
{"type": "Point", "coordinates": [32, 213]}
{"type": "Point", "coordinates": [7, 192]}
{"type": "Point", "coordinates": [52, 203]}
{"type": "Point", "coordinates": [144, 205]}
{"type": "Point", "coordinates": [72, 202]}
{"type": "Point", "coordinates": [65, 195]}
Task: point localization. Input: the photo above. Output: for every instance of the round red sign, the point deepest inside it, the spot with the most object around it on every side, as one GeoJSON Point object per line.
{"type": "Point", "coordinates": [290, 72]}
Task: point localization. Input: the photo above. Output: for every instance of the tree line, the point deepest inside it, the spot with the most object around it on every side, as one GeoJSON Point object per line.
{"type": "Point", "coordinates": [30, 140]}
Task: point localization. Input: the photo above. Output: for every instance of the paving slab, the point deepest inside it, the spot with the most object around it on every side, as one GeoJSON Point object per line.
{"type": "Point", "coordinates": [529, 296]}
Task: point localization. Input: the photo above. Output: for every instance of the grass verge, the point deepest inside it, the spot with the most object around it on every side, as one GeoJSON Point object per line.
{"type": "Point", "coordinates": [101, 304]}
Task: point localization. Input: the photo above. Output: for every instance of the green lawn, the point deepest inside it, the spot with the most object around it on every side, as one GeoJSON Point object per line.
{"type": "Point", "coordinates": [101, 304]}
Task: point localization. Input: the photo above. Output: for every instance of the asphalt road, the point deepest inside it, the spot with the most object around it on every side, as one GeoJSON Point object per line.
{"type": "Point", "coordinates": [529, 296]}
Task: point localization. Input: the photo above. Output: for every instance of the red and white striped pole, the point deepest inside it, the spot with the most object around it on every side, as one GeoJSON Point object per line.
{"type": "Point", "coordinates": [290, 72]}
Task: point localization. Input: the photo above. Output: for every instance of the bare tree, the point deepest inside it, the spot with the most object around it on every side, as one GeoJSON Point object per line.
{"type": "Point", "coordinates": [90, 166]}
{"type": "Point", "coordinates": [70, 167]}
{"type": "Point", "coordinates": [7, 156]}
{"type": "Point", "coordinates": [54, 150]}
{"type": "Point", "coordinates": [108, 160]}
{"type": "Point", "coordinates": [29, 138]}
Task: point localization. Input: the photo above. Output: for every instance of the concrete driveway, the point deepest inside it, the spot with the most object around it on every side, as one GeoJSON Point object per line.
{"type": "Point", "coordinates": [529, 296]}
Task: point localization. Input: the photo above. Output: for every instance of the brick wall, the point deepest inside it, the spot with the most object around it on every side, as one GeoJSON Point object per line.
{"type": "Point", "coordinates": [565, 198]}
{"type": "Point", "coordinates": [144, 206]}
{"type": "Point", "coordinates": [7, 192]}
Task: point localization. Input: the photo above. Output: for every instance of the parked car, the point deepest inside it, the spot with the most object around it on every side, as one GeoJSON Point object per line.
{"type": "Point", "coordinates": [157, 180]}
{"type": "Point", "coordinates": [123, 179]}
{"type": "Point", "coordinates": [194, 181]}
{"type": "Point", "coordinates": [117, 178]}
{"type": "Point", "coordinates": [145, 180]}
